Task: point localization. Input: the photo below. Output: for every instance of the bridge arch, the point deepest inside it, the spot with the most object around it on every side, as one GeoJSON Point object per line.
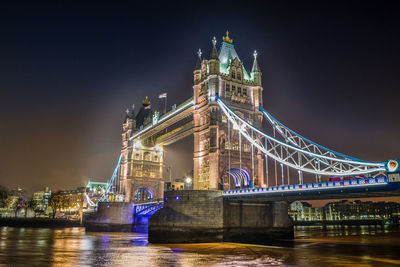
{"type": "Point", "coordinates": [241, 177]}
{"type": "Point", "coordinates": [143, 194]}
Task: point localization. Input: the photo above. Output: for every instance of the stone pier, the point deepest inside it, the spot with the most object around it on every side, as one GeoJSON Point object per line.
{"type": "Point", "coordinates": [204, 216]}
{"type": "Point", "coordinates": [256, 222]}
{"type": "Point", "coordinates": [111, 217]}
{"type": "Point", "coordinates": [188, 216]}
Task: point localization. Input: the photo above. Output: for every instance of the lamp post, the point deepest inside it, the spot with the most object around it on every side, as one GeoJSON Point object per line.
{"type": "Point", "coordinates": [188, 181]}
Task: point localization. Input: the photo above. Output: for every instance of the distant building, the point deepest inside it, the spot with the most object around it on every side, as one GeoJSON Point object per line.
{"type": "Point", "coordinates": [41, 199]}
{"type": "Point", "coordinates": [174, 186]}
{"type": "Point", "coordinates": [18, 192]}
{"type": "Point", "coordinates": [96, 188]}
{"type": "Point", "coordinates": [303, 211]}
{"type": "Point", "coordinates": [359, 210]}
{"type": "Point", "coordinates": [73, 201]}
{"type": "Point", "coordinates": [345, 210]}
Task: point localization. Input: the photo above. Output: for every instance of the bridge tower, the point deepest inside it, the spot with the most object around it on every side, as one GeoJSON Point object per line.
{"type": "Point", "coordinates": [217, 146]}
{"type": "Point", "coordinates": [142, 164]}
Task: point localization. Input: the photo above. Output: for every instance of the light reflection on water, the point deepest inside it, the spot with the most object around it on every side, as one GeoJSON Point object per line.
{"type": "Point", "coordinates": [314, 246]}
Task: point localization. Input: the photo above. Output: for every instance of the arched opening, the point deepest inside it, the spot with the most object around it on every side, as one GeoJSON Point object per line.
{"type": "Point", "coordinates": [240, 177]}
{"type": "Point", "coordinates": [143, 194]}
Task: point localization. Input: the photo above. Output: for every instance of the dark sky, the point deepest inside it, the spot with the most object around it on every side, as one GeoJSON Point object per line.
{"type": "Point", "coordinates": [68, 71]}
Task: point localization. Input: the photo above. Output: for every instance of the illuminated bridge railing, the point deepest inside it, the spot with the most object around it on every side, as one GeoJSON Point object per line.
{"type": "Point", "coordinates": [322, 186]}
{"type": "Point", "coordinates": [148, 208]}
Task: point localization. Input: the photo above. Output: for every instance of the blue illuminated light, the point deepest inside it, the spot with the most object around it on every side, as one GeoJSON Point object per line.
{"type": "Point", "coordinates": [177, 198]}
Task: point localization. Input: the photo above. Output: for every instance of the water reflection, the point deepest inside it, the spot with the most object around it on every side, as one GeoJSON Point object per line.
{"type": "Point", "coordinates": [313, 246]}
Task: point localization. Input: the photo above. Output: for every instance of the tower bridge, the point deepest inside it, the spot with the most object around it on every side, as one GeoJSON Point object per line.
{"type": "Point", "coordinates": [234, 159]}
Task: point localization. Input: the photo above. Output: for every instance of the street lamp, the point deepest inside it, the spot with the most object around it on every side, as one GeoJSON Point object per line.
{"type": "Point", "coordinates": [188, 181]}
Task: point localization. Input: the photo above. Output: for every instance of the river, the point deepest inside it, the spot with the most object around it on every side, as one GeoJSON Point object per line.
{"type": "Point", "coordinates": [313, 246]}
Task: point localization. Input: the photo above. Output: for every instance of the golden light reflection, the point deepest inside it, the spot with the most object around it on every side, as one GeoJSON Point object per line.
{"type": "Point", "coordinates": [332, 246]}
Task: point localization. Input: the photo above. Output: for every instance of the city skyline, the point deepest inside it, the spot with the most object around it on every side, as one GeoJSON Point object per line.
{"type": "Point", "coordinates": [64, 108]}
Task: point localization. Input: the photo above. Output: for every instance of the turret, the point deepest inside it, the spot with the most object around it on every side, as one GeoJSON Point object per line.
{"type": "Point", "coordinates": [145, 114]}
{"type": "Point", "coordinates": [255, 71]}
{"type": "Point", "coordinates": [128, 126]}
{"type": "Point", "coordinates": [197, 69]}
{"type": "Point", "coordinates": [213, 63]}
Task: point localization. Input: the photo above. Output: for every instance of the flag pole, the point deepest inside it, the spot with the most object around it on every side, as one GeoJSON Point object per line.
{"type": "Point", "coordinates": [165, 104]}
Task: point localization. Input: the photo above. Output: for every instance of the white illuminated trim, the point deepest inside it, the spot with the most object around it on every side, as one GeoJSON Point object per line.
{"type": "Point", "coordinates": [304, 187]}
{"type": "Point", "coordinates": [149, 203]}
{"type": "Point", "coordinates": [188, 104]}
{"type": "Point", "coordinates": [225, 109]}
{"type": "Point", "coordinates": [109, 185]}
{"type": "Point", "coordinates": [306, 143]}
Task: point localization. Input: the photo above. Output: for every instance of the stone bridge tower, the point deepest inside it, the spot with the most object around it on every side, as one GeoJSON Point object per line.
{"type": "Point", "coordinates": [142, 164]}
{"type": "Point", "coordinates": [224, 74]}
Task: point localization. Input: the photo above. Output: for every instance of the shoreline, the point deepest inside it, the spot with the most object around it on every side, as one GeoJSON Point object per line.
{"type": "Point", "coordinates": [38, 222]}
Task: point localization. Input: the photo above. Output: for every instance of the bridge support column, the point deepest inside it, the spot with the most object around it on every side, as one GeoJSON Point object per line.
{"type": "Point", "coordinates": [256, 222]}
{"type": "Point", "coordinates": [204, 216]}
{"type": "Point", "coordinates": [111, 217]}
{"type": "Point", "coordinates": [188, 216]}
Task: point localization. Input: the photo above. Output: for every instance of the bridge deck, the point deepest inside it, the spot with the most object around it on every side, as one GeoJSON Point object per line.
{"type": "Point", "coordinates": [180, 112]}
{"type": "Point", "coordinates": [358, 188]}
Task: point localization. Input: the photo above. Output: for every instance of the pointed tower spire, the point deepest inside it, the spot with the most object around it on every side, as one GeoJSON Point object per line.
{"type": "Point", "coordinates": [255, 68]}
{"type": "Point", "coordinates": [214, 54]}
{"type": "Point", "coordinates": [198, 62]}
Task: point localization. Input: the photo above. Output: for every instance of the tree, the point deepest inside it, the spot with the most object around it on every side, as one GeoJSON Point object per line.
{"type": "Point", "coordinates": [34, 205]}
{"type": "Point", "coordinates": [3, 196]}
{"type": "Point", "coordinates": [56, 203]}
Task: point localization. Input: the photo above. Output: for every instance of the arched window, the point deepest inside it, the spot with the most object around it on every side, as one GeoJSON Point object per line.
{"type": "Point", "coordinates": [239, 76]}
{"type": "Point", "coordinates": [233, 75]}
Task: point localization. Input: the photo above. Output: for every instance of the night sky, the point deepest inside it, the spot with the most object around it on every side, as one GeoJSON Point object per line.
{"type": "Point", "coordinates": [68, 72]}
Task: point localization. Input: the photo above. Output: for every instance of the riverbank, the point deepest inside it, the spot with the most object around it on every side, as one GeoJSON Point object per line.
{"type": "Point", "coordinates": [344, 222]}
{"type": "Point", "coordinates": [38, 222]}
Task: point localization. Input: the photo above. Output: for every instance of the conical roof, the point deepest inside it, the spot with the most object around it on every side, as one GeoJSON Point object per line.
{"type": "Point", "coordinates": [214, 53]}
{"type": "Point", "coordinates": [255, 67]}
{"type": "Point", "coordinates": [198, 62]}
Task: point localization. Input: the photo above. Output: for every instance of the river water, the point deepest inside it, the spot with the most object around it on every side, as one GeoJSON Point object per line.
{"type": "Point", "coordinates": [313, 246]}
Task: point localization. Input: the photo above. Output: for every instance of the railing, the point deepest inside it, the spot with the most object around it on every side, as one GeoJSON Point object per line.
{"type": "Point", "coordinates": [366, 182]}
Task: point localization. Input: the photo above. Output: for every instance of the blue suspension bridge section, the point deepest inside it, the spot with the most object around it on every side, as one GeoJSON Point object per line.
{"type": "Point", "coordinates": [301, 154]}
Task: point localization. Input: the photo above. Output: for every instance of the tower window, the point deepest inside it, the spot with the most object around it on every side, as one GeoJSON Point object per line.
{"type": "Point", "coordinates": [233, 75]}
{"type": "Point", "coordinates": [239, 77]}
{"type": "Point", "coordinates": [227, 87]}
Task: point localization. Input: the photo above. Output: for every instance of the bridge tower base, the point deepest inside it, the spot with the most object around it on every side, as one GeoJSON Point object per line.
{"type": "Point", "coordinates": [111, 217]}
{"type": "Point", "coordinates": [195, 216]}
{"type": "Point", "coordinates": [256, 222]}
{"type": "Point", "coordinates": [188, 216]}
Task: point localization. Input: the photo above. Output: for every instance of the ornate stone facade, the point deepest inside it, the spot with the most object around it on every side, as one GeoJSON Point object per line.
{"type": "Point", "coordinates": [217, 146]}
{"type": "Point", "coordinates": [142, 164]}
